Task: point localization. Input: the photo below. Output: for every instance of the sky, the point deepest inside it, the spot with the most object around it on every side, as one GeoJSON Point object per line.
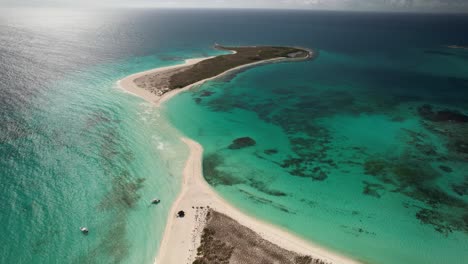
{"type": "Point", "coordinates": [351, 5]}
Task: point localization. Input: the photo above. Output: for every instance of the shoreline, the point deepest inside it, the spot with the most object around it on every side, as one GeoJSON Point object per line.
{"type": "Point", "coordinates": [128, 85]}
{"type": "Point", "coordinates": [181, 236]}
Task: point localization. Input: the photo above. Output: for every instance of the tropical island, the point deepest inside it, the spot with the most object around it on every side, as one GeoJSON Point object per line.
{"type": "Point", "coordinates": [153, 84]}
{"type": "Point", "coordinates": [457, 47]}
{"type": "Point", "coordinates": [241, 56]}
{"type": "Point", "coordinates": [202, 227]}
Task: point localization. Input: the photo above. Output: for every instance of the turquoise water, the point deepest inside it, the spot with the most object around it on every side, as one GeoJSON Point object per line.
{"type": "Point", "coordinates": [96, 158]}
{"type": "Point", "coordinates": [342, 156]}
{"type": "Point", "coordinates": [79, 151]}
{"type": "Point", "coordinates": [337, 137]}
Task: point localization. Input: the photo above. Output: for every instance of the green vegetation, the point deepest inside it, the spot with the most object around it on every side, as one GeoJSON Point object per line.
{"type": "Point", "coordinates": [219, 64]}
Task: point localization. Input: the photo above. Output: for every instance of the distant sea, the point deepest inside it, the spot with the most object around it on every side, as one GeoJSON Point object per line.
{"type": "Point", "coordinates": [363, 150]}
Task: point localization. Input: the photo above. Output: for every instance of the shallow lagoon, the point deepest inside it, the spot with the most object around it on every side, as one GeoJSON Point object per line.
{"type": "Point", "coordinates": [344, 154]}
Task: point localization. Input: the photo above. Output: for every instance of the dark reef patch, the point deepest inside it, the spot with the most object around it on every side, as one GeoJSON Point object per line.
{"type": "Point", "coordinates": [372, 189]}
{"type": "Point", "coordinates": [421, 142]}
{"type": "Point", "coordinates": [206, 93]}
{"type": "Point", "coordinates": [416, 180]}
{"type": "Point", "coordinates": [445, 168]}
{"type": "Point", "coordinates": [309, 202]}
{"type": "Point", "coordinates": [301, 168]}
{"type": "Point", "coordinates": [115, 157]}
{"type": "Point", "coordinates": [426, 112]}
{"type": "Point", "coordinates": [113, 247]}
{"type": "Point", "coordinates": [455, 136]}
{"type": "Point", "coordinates": [243, 142]}
{"type": "Point", "coordinates": [270, 151]}
{"type": "Point", "coordinates": [320, 176]}
{"type": "Point", "coordinates": [261, 200]}
{"type": "Point", "coordinates": [461, 146]}
{"type": "Point", "coordinates": [410, 174]}
{"type": "Point", "coordinates": [435, 198]}
{"type": "Point", "coordinates": [357, 231]}
{"type": "Point", "coordinates": [214, 175]}
{"type": "Point", "coordinates": [444, 223]}
{"type": "Point", "coordinates": [124, 192]}
{"type": "Point", "coordinates": [263, 187]}
{"type": "Point", "coordinates": [311, 149]}
{"type": "Point", "coordinates": [375, 167]}
{"type": "Point", "coordinates": [401, 174]}
{"type": "Point", "coordinates": [461, 188]}
{"type": "Point", "coordinates": [312, 144]}
{"type": "Point", "coordinates": [98, 118]}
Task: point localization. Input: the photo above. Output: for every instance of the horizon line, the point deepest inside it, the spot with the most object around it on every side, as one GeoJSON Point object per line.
{"type": "Point", "coordinates": [444, 12]}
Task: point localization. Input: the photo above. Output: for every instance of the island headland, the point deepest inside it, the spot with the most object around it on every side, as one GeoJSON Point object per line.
{"type": "Point", "coordinates": [202, 227]}
{"type": "Point", "coordinates": [464, 47]}
{"type": "Point", "coordinates": [160, 84]}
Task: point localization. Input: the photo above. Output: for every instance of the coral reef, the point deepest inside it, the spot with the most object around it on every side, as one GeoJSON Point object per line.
{"type": "Point", "coordinates": [216, 176]}
{"type": "Point", "coordinates": [243, 142]}
{"type": "Point", "coordinates": [426, 112]}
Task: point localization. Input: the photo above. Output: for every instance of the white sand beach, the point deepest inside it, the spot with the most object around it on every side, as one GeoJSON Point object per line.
{"type": "Point", "coordinates": [129, 85]}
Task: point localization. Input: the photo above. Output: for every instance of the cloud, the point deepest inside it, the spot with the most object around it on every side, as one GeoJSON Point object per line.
{"type": "Point", "coordinates": [384, 5]}
{"type": "Point", "coordinates": [381, 5]}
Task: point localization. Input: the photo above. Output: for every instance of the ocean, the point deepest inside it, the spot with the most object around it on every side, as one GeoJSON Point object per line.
{"type": "Point", "coordinates": [354, 149]}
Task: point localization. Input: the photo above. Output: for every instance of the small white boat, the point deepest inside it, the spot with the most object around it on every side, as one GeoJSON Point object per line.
{"type": "Point", "coordinates": [155, 201]}
{"type": "Point", "coordinates": [84, 230]}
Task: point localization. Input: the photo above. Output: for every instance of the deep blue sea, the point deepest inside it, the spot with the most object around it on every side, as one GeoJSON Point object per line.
{"type": "Point", "coordinates": [363, 150]}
